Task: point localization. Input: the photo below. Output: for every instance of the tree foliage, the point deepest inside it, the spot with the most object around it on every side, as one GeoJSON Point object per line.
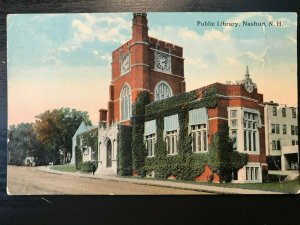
{"type": "Point", "coordinates": [22, 143]}
{"type": "Point", "coordinates": [55, 130]}
{"type": "Point", "coordinates": [222, 158]}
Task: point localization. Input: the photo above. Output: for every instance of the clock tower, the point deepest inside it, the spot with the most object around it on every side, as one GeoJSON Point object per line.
{"type": "Point", "coordinates": [142, 64]}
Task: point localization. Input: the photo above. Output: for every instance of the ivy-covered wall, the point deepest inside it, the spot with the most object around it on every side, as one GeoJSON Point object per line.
{"type": "Point", "coordinates": [124, 158]}
{"type": "Point", "coordinates": [90, 139]}
{"type": "Point", "coordinates": [186, 165]}
{"type": "Point", "coordinates": [139, 152]}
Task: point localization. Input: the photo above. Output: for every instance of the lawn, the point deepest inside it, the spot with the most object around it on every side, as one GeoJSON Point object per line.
{"type": "Point", "coordinates": [290, 187]}
{"type": "Point", "coordinates": [64, 168]}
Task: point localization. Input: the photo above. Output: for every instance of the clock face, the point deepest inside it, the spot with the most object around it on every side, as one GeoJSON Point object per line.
{"type": "Point", "coordinates": [249, 86]}
{"type": "Point", "coordinates": [125, 64]}
{"type": "Point", "coordinates": [162, 62]}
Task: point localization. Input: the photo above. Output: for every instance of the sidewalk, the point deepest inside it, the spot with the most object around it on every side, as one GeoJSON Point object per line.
{"type": "Point", "coordinates": [159, 183]}
{"type": "Point", "coordinates": [291, 174]}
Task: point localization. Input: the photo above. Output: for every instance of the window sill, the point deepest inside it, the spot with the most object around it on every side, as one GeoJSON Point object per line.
{"type": "Point", "coordinates": [252, 152]}
{"type": "Point", "coordinates": [172, 154]}
{"type": "Point", "coordinates": [150, 156]}
{"type": "Point", "coordinates": [201, 152]}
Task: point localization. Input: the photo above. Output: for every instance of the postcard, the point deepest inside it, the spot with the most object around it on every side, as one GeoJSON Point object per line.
{"type": "Point", "coordinates": [152, 103]}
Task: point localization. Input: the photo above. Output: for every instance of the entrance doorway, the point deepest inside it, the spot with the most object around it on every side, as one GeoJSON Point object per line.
{"type": "Point", "coordinates": [108, 153]}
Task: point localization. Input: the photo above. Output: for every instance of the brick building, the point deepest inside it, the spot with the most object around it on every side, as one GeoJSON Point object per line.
{"type": "Point", "coordinates": [148, 64]}
{"type": "Point", "coordinates": [142, 63]}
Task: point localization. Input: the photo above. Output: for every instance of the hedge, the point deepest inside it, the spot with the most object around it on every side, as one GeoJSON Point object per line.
{"type": "Point", "coordinates": [88, 166]}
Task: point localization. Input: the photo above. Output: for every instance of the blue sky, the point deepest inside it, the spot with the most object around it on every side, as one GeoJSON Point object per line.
{"type": "Point", "coordinates": [63, 60]}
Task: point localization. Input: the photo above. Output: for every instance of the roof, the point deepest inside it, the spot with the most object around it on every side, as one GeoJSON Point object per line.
{"type": "Point", "coordinates": [83, 128]}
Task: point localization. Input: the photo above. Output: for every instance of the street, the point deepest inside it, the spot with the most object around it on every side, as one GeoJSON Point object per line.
{"type": "Point", "coordinates": [31, 181]}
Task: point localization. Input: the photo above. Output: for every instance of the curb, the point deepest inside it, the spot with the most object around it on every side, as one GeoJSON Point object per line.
{"type": "Point", "coordinates": [166, 184]}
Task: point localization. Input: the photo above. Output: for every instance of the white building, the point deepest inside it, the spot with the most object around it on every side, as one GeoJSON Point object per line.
{"type": "Point", "coordinates": [281, 137]}
{"type": "Point", "coordinates": [107, 150]}
{"type": "Point", "coordinates": [87, 153]}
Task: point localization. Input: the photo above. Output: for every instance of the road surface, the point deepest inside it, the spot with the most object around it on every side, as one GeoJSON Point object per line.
{"type": "Point", "coordinates": [31, 181]}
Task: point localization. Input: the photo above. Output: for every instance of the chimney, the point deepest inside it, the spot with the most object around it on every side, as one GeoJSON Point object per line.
{"type": "Point", "coordinates": [102, 115]}
{"type": "Point", "coordinates": [140, 27]}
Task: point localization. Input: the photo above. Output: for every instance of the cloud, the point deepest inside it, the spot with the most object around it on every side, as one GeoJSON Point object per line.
{"type": "Point", "coordinates": [253, 56]}
{"type": "Point", "coordinates": [82, 27]}
{"type": "Point", "coordinates": [68, 48]}
{"type": "Point", "coordinates": [104, 28]}
{"type": "Point", "coordinates": [211, 35]}
{"type": "Point", "coordinates": [233, 61]}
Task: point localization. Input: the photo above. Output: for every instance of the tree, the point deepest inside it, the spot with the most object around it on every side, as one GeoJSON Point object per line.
{"type": "Point", "coordinates": [222, 158]}
{"type": "Point", "coordinates": [22, 143]}
{"type": "Point", "coordinates": [55, 130]}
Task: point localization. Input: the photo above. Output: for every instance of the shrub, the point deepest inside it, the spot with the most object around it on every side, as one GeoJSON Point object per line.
{"type": "Point", "coordinates": [88, 166]}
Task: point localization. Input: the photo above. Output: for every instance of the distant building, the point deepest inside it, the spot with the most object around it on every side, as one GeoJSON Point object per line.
{"type": "Point", "coordinates": [281, 136]}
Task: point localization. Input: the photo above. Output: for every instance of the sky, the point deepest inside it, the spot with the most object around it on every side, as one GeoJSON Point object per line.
{"type": "Point", "coordinates": [63, 60]}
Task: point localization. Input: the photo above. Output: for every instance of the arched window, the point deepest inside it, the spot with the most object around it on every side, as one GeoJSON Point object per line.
{"type": "Point", "coordinates": [162, 91]}
{"type": "Point", "coordinates": [125, 102]}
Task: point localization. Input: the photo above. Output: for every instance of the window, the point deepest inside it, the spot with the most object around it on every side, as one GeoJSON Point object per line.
{"type": "Point", "coordinates": [234, 174]}
{"type": "Point", "coordinates": [274, 111]}
{"type": "Point", "coordinates": [93, 158]}
{"type": "Point", "coordinates": [284, 128]}
{"type": "Point", "coordinates": [250, 131]}
{"type": "Point", "coordinates": [150, 137]}
{"type": "Point", "coordinates": [276, 145]}
{"type": "Point", "coordinates": [162, 91]}
{"type": "Point", "coordinates": [234, 139]}
{"type": "Point", "coordinates": [296, 142]}
{"type": "Point", "coordinates": [150, 144]}
{"type": "Point", "coordinates": [296, 130]}
{"type": "Point", "coordinates": [277, 129]}
{"type": "Point", "coordinates": [171, 140]}
{"type": "Point", "coordinates": [293, 142]}
{"type": "Point", "coordinates": [283, 110]}
{"type": "Point", "coordinates": [199, 135]}
{"type": "Point", "coordinates": [292, 130]}
{"type": "Point", "coordinates": [233, 119]}
{"type": "Point", "coordinates": [273, 145]}
{"type": "Point", "coordinates": [273, 128]}
{"type": "Point", "coordinates": [171, 127]}
{"type": "Point", "coordinates": [125, 103]}
{"type": "Point", "coordinates": [251, 173]}
{"type": "Point", "coordinates": [293, 112]}
{"type": "Point", "coordinates": [233, 127]}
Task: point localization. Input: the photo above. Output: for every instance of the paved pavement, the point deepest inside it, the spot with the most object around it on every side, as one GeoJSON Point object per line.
{"type": "Point", "coordinates": [32, 181]}
{"type": "Point", "coordinates": [291, 174]}
{"type": "Point", "coordinates": [160, 183]}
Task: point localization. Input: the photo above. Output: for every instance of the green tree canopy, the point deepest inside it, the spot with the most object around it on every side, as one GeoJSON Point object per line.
{"type": "Point", "coordinates": [55, 130]}
{"type": "Point", "coordinates": [222, 157]}
{"type": "Point", "coordinates": [22, 143]}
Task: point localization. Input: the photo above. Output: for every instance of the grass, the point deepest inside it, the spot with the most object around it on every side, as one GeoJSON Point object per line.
{"type": "Point", "coordinates": [289, 187]}
{"type": "Point", "coordinates": [64, 168]}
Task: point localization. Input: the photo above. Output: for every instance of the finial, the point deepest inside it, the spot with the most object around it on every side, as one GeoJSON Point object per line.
{"type": "Point", "coordinates": [247, 71]}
